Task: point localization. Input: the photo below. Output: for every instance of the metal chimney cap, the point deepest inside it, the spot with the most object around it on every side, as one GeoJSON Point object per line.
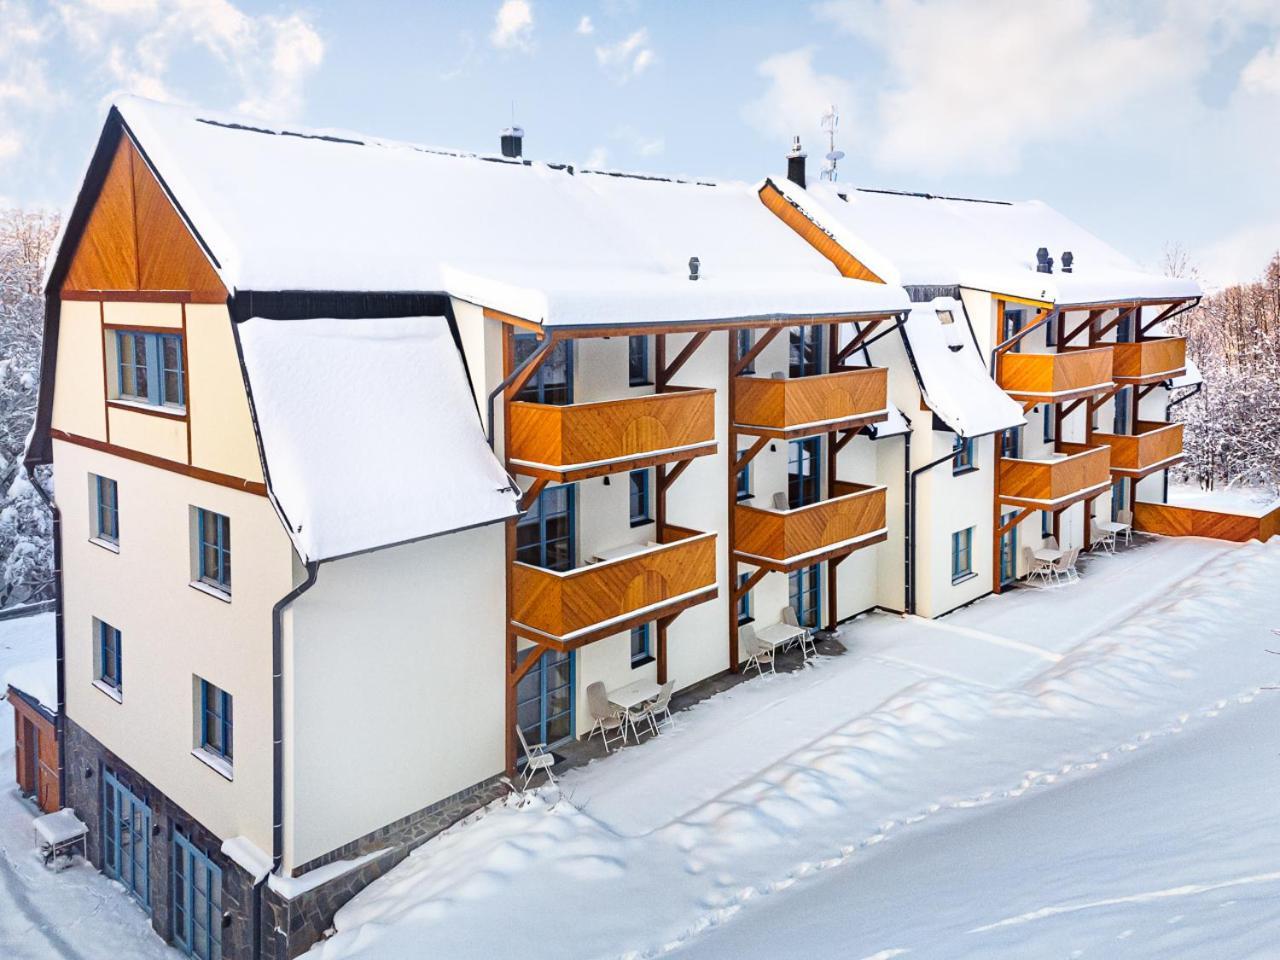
{"type": "Point", "coordinates": [1068, 258]}
{"type": "Point", "coordinates": [694, 265]}
{"type": "Point", "coordinates": [513, 131]}
{"type": "Point", "coordinates": [1044, 262]}
{"type": "Point", "coordinates": [796, 149]}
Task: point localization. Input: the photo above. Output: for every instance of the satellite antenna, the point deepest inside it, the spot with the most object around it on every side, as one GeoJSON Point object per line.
{"type": "Point", "coordinates": [830, 123]}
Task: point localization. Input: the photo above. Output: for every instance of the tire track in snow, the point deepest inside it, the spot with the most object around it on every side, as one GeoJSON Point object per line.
{"type": "Point", "coordinates": [39, 922]}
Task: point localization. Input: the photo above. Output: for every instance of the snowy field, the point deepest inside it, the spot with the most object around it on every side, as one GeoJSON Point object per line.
{"type": "Point", "coordinates": [1084, 771]}
{"type": "Point", "coordinates": [1250, 501]}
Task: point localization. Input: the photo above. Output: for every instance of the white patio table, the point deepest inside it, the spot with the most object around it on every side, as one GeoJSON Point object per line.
{"type": "Point", "coordinates": [633, 694]}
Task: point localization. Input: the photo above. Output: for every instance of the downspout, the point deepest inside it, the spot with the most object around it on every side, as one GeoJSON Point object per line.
{"type": "Point", "coordinates": [58, 637]}
{"type": "Point", "coordinates": [277, 744]}
{"type": "Point", "coordinates": [911, 527]}
{"type": "Point", "coordinates": [1186, 396]}
{"type": "Point", "coordinates": [534, 357]}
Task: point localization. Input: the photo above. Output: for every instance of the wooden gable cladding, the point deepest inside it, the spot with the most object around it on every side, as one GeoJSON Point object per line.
{"type": "Point", "coordinates": [1150, 361]}
{"type": "Point", "coordinates": [853, 517]}
{"type": "Point", "coordinates": [1171, 521]}
{"type": "Point", "coordinates": [1152, 446]}
{"type": "Point", "coordinates": [779, 406]}
{"type": "Point", "coordinates": [819, 239]}
{"type": "Point", "coordinates": [1056, 376]}
{"type": "Point", "coordinates": [560, 605]}
{"type": "Point", "coordinates": [1082, 472]}
{"type": "Point", "coordinates": [135, 243]}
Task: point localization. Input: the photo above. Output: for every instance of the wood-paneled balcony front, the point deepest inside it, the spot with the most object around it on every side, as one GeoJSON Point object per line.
{"type": "Point", "coordinates": [578, 441]}
{"type": "Point", "coordinates": [1149, 361]}
{"type": "Point", "coordinates": [790, 407]}
{"type": "Point", "coordinates": [1152, 446]}
{"type": "Point", "coordinates": [1077, 472]}
{"type": "Point", "coordinates": [785, 540]}
{"type": "Point", "coordinates": [566, 610]}
{"type": "Point", "coordinates": [1032, 378]}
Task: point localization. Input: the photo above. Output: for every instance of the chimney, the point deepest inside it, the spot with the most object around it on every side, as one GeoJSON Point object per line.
{"type": "Point", "coordinates": [795, 163]}
{"type": "Point", "coordinates": [1068, 258]}
{"type": "Point", "coordinates": [1044, 262]}
{"type": "Point", "coordinates": [694, 265]}
{"type": "Point", "coordinates": [513, 142]}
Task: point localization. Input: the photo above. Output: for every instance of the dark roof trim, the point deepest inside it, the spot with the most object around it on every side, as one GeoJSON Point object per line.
{"type": "Point", "coordinates": [934, 196]}
{"type": "Point", "coordinates": [340, 304]}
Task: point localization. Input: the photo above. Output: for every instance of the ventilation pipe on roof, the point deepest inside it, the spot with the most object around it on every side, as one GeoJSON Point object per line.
{"type": "Point", "coordinates": [1044, 262]}
{"type": "Point", "coordinates": [1068, 258]}
{"type": "Point", "coordinates": [513, 142]}
{"type": "Point", "coordinates": [694, 264]}
{"type": "Point", "coordinates": [796, 163]}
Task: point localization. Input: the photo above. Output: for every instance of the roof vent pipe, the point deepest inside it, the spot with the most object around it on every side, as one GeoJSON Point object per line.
{"type": "Point", "coordinates": [513, 142]}
{"type": "Point", "coordinates": [1068, 258]}
{"type": "Point", "coordinates": [694, 264]}
{"type": "Point", "coordinates": [1044, 262]}
{"type": "Point", "coordinates": [796, 163]}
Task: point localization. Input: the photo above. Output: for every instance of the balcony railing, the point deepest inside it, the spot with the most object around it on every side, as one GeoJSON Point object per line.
{"type": "Point", "coordinates": [1149, 361]}
{"type": "Point", "coordinates": [1153, 446]}
{"type": "Point", "coordinates": [1050, 377]}
{"type": "Point", "coordinates": [576, 605]}
{"type": "Point", "coordinates": [1077, 472]}
{"type": "Point", "coordinates": [580, 440]}
{"type": "Point", "coordinates": [851, 518]}
{"type": "Point", "coordinates": [790, 407]}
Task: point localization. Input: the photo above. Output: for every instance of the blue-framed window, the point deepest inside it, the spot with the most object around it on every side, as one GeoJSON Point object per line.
{"type": "Point", "coordinates": [961, 555]}
{"type": "Point", "coordinates": [806, 594]}
{"type": "Point", "coordinates": [744, 602]}
{"type": "Point", "coordinates": [1119, 498]}
{"type": "Point", "coordinates": [107, 514]}
{"type": "Point", "coordinates": [214, 546]}
{"type": "Point", "coordinates": [110, 672]}
{"type": "Point", "coordinates": [1123, 398]}
{"type": "Point", "coordinates": [1124, 329]}
{"type": "Point", "coordinates": [1009, 550]}
{"type": "Point", "coordinates": [804, 484]}
{"type": "Point", "coordinates": [215, 721]}
{"type": "Point", "coordinates": [638, 361]}
{"type": "Point", "coordinates": [806, 350]}
{"type": "Point", "coordinates": [1011, 443]}
{"type": "Point", "coordinates": [197, 900]}
{"type": "Point", "coordinates": [963, 459]}
{"type": "Point", "coordinates": [744, 483]}
{"type": "Point", "coordinates": [746, 338]}
{"type": "Point", "coordinates": [640, 652]}
{"type": "Point", "coordinates": [126, 838]}
{"type": "Point", "coordinates": [553, 381]}
{"type": "Point", "coordinates": [1051, 332]}
{"type": "Point", "coordinates": [1050, 432]}
{"type": "Point", "coordinates": [1046, 524]}
{"type": "Point", "coordinates": [640, 499]}
{"type": "Point", "coordinates": [545, 535]}
{"type": "Point", "coordinates": [150, 367]}
{"type": "Point", "coordinates": [545, 696]}
{"type": "Point", "coordinates": [1013, 320]}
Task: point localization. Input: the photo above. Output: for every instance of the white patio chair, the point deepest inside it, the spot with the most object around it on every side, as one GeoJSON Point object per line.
{"type": "Point", "coordinates": [752, 652]}
{"type": "Point", "coordinates": [637, 715]}
{"type": "Point", "coordinates": [780, 502]}
{"type": "Point", "coordinates": [1066, 566]}
{"type": "Point", "coordinates": [1035, 566]}
{"type": "Point", "coordinates": [1104, 539]}
{"type": "Point", "coordinates": [660, 706]}
{"type": "Point", "coordinates": [536, 758]}
{"type": "Point", "coordinates": [1051, 543]}
{"type": "Point", "coordinates": [1126, 517]}
{"type": "Point", "coordinates": [606, 717]}
{"type": "Point", "coordinates": [807, 645]}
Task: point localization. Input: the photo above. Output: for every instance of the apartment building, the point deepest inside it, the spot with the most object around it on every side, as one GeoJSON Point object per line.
{"type": "Point", "coordinates": [368, 452]}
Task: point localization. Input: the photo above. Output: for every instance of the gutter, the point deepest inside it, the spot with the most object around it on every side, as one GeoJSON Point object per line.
{"type": "Point", "coordinates": [59, 635]}
{"type": "Point", "coordinates": [277, 743]}
{"type": "Point", "coordinates": [1186, 396]}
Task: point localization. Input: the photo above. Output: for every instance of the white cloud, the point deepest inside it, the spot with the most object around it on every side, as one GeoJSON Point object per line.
{"type": "Point", "coordinates": [796, 96]}
{"type": "Point", "coordinates": [513, 26]}
{"type": "Point", "coordinates": [627, 58]}
{"type": "Point", "coordinates": [1261, 75]}
{"type": "Point", "coordinates": [1240, 257]}
{"type": "Point", "coordinates": [585, 26]}
{"type": "Point", "coordinates": [639, 143]}
{"type": "Point", "coordinates": [597, 158]}
{"type": "Point", "coordinates": [25, 91]}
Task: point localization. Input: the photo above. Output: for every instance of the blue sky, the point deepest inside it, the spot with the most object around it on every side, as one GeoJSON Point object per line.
{"type": "Point", "coordinates": [1150, 122]}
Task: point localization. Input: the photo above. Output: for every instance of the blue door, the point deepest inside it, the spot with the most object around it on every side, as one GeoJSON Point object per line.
{"type": "Point", "coordinates": [126, 838]}
{"type": "Point", "coordinates": [806, 595]}
{"type": "Point", "coordinates": [1008, 551]}
{"type": "Point", "coordinates": [197, 901]}
{"type": "Point", "coordinates": [544, 698]}
{"type": "Point", "coordinates": [803, 482]}
{"type": "Point", "coordinates": [545, 535]}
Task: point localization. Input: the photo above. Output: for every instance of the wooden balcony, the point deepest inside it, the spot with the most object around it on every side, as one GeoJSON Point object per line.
{"type": "Point", "coordinates": [1032, 378]}
{"type": "Point", "coordinates": [1077, 473]}
{"type": "Point", "coordinates": [785, 540]}
{"type": "Point", "coordinates": [570, 609]}
{"type": "Point", "coordinates": [1153, 446]}
{"type": "Point", "coordinates": [582, 440]}
{"type": "Point", "coordinates": [1149, 361]}
{"type": "Point", "coordinates": [787, 408]}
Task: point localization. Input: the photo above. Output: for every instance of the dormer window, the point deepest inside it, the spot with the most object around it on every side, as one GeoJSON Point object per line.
{"type": "Point", "coordinates": [149, 368]}
{"type": "Point", "coordinates": [946, 317]}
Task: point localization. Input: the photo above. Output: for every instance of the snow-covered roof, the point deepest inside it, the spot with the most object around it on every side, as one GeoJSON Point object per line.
{"type": "Point", "coordinates": [980, 244]}
{"type": "Point", "coordinates": [415, 463]}
{"type": "Point", "coordinates": [894, 425]}
{"type": "Point", "coordinates": [1190, 378]}
{"type": "Point", "coordinates": [37, 679]}
{"type": "Point", "coordinates": [953, 375]}
{"type": "Point", "coordinates": [329, 210]}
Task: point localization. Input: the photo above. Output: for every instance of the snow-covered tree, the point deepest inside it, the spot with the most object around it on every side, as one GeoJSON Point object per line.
{"type": "Point", "coordinates": [26, 527]}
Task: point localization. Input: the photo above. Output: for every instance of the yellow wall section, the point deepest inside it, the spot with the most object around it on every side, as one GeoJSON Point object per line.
{"type": "Point", "coordinates": [144, 314]}
{"type": "Point", "coordinates": [77, 394]}
{"type": "Point", "coordinates": [222, 436]}
{"type": "Point", "coordinates": [159, 436]}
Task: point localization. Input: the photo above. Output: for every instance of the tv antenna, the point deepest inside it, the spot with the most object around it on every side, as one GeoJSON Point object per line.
{"type": "Point", "coordinates": [830, 123]}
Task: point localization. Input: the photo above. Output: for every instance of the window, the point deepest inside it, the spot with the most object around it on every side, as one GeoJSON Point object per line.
{"type": "Point", "coordinates": [961, 555]}
{"type": "Point", "coordinates": [744, 483]}
{"type": "Point", "coordinates": [1046, 524]}
{"type": "Point", "coordinates": [1119, 498]}
{"type": "Point", "coordinates": [638, 348]}
{"type": "Point", "coordinates": [214, 549]}
{"type": "Point", "coordinates": [1122, 404]}
{"type": "Point", "coordinates": [803, 483]}
{"type": "Point", "coordinates": [213, 735]}
{"type": "Point", "coordinates": [150, 367]}
{"type": "Point", "coordinates": [640, 513]}
{"type": "Point", "coordinates": [746, 340]}
{"type": "Point", "coordinates": [1050, 424]}
{"type": "Point", "coordinates": [962, 460]}
{"type": "Point", "coordinates": [946, 317]}
{"type": "Point", "coordinates": [744, 602]}
{"type": "Point", "coordinates": [1013, 320]}
{"type": "Point", "coordinates": [106, 521]}
{"type": "Point", "coordinates": [806, 350]}
{"type": "Point", "coordinates": [544, 535]}
{"type": "Point", "coordinates": [1051, 332]}
{"type": "Point", "coordinates": [553, 382]}
{"type": "Point", "coordinates": [108, 659]}
{"type": "Point", "coordinates": [1011, 443]}
{"type": "Point", "coordinates": [806, 594]}
{"type": "Point", "coordinates": [197, 900]}
{"type": "Point", "coordinates": [640, 645]}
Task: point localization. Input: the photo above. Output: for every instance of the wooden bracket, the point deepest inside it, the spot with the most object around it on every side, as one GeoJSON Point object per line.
{"type": "Point", "coordinates": [752, 579]}
{"type": "Point", "coordinates": [1087, 322]}
{"type": "Point", "coordinates": [517, 384]}
{"type": "Point", "coordinates": [666, 373]}
{"type": "Point", "coordinates": [747, 358]}
{"type": "Point", "coordinates": [1164, 315]}
{"type": "Point", "coordinates": [518, 673]}
{"type": "Point", "coordinates": [667, 475]}
{"type": "Point", "coordinates": [1018, 517]}
{"type": "Point", "coordinates": [747, 455]}
{"type": "Point", "coordinates": [531, 495]}
{"type": "Point", "coordinates": [859, 339]}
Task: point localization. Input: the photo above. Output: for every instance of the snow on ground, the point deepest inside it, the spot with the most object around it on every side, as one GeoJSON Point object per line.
{"type": "Point", "coordinates": [1033, 772]}
{"type": "Point", "coordinates": [1250, 501]}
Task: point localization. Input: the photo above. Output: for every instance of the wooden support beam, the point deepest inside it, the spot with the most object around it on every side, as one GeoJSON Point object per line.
{"type": "Point", "coordinates": [858, 340]}
{"type": "Point", "coordinates": [1018, 517]}
{"type": "Point", "coordinates": [667, 475]}
{"type": "Point", "coordinates": [690, 348]}
{"type": "Point", "coordinates": [746, 456]}
{"type": "Point", "coordinates": [1113, 323]}
{"type": "Point", "coordinates": [663, 624]}
{"type": "Point", "coordinates": [513, 321]}
{"type": "Point", "coordinates": [737, 366]}
{"type": "Point", "coordinates": [842, 441]}
{"type": "Point", "coordinates": [517, 384]}
{"type": "Point", "coordinates": [833, 587]}
{"type": "Point", "coordinates": [1163, 315]}
{"type": "Point", "coordinates": [1004, 347]}
{"type": "Point", "coordinates": [529, 663]}
{"type": "Point", "coordinates": [531, 495]}
{"type": "Point", "coordinates": [1088, 322]}
{"type": "Point", "coordinates": [747, 585]}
